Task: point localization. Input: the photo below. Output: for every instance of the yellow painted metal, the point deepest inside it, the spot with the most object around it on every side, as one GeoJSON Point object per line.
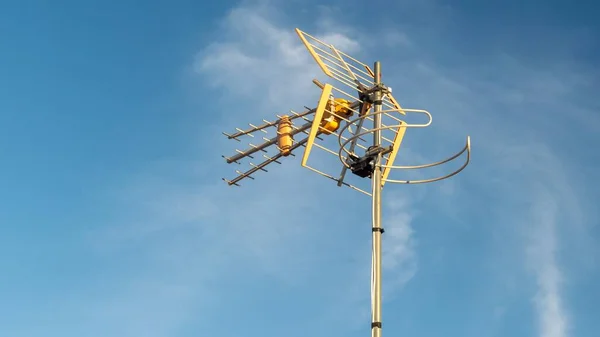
{"type": "Point", "coordinates": [344, 64]}
{"type": "Point", "coordinates": [395, 104]}
{"type": "Point", "coordinates": [397, 142]}
{"type": "Point", "coordinates": [312, 52]}
{"type": "Point", "coordinates": [336, 64]}
{"type": "Point", "coordinates": [342, 107]}
{"type": "Point", "coordinates": [330, 125]}
{"type": "Point", "coordinates": [316, 124]}
{"type": "Point", "coordinates": [335, 110]}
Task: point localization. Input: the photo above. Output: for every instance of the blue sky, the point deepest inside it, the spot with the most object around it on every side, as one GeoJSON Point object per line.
{"type": "Point", "coordinates": [114, 220]}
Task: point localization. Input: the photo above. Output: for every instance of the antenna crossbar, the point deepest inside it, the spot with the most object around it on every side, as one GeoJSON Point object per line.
{"type": "Point", "coordinates": [266, 125]}
{"type": "Point", "coordinates": [261, 166]}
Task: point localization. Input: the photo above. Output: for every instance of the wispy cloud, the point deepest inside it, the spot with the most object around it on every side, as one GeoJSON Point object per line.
{"type": "Point", "coordinates": [278, 225]}
{"type": "Point", "coordinates": [399, 255]}
{"type": "Point", "coordinates": [517, 160]}
{"type": "Point", "coordinates": [543, 257]}
{"type": "Point", "coordinates": [286, 71]}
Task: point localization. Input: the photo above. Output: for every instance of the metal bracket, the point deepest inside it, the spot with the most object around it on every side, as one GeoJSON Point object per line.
{"type": "Point", "coordinates": [365, 165]}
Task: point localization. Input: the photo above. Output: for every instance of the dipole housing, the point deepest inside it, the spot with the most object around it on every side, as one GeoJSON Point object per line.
{"type": "Point", "coordinates": [355, 95]}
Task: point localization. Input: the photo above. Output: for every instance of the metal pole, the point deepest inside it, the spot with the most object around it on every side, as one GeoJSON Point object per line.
{"type": "Point", "coordinates": [377, 229]}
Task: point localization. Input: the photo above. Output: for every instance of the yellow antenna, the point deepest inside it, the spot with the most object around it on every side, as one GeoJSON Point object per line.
{"type": "Point", "coordinates": [340, 114]}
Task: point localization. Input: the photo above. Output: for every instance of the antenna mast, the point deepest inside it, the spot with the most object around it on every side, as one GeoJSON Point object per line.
{"type": "Point", "coordinates": [377, 187]}
{"type": "Point", "coordinates": [342, 115]}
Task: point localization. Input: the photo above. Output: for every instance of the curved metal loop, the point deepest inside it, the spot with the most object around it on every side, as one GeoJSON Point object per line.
{"type": "Point", "coordinates": [348, 140]}
{"type": "Point", "coordinates": [467, 148]}
{"type": "Point", "coordinates": [353, 121]}
{"type": "Point", "coordinates": [356, 136]}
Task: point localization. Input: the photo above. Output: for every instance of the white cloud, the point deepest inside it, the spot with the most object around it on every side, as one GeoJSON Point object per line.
{"type": "Point", "coordinates": [399, 256]}
{"type": "Point", "coordinates": [543, 258]}
{"type": "Point", "coordinates": [554, 209]}
{"type": "Point", "coordinates": [270, 55]}
{"type": "Point", "coordinates": [281, 67]}
{"type": "Point", "coordinates": [279, 225]}
{"type": "Point", "coordinates": [258, 61]}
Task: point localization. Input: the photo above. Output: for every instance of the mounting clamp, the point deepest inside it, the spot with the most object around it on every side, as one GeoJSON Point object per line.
{"type": "Point", "coordinates": [365, 165]}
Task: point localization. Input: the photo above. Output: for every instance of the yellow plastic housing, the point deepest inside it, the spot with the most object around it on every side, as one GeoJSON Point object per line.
{"type": "Point", "coordinates": [335, 109]}
{"type": "Point", "coordinates": [284, 138]}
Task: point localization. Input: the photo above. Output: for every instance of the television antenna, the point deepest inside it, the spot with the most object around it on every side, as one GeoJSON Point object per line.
{"type": "Point", "coordinates": [341, 114]}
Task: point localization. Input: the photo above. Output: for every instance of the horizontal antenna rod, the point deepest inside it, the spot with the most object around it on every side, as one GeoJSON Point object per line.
{"type": "Point", "coordinates": [266, 125]}
{"type": "Point", "coordinates": [263, 164]}
{"type": "Point", "coordinates": [266, 144]}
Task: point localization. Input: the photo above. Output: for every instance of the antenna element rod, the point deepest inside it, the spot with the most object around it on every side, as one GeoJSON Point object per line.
{"type": "Point", "coordinates": [262, 165]}
{"type": "Point", "coordinates": [266, 125]}
{"type": "Point", "coordinates": [262, 146]}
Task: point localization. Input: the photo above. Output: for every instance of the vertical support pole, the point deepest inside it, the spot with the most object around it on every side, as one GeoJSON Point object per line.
{"type": "Point", "coordinates": [377, 230]}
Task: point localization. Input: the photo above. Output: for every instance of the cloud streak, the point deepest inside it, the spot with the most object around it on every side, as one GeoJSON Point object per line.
{"type": "Point", "coordinates": [542, 254]}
